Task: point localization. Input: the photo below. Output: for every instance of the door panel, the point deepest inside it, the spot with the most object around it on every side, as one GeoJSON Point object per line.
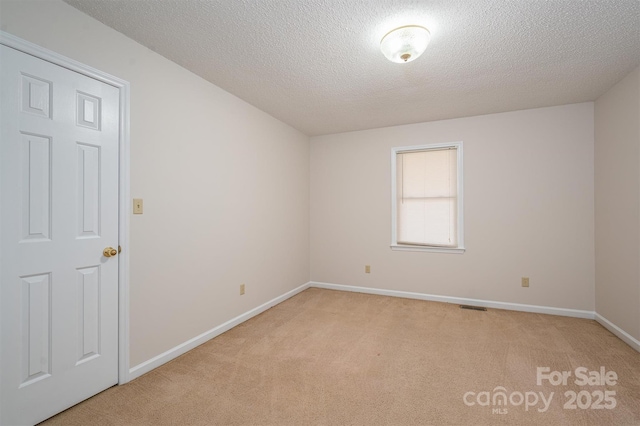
{"type": "Point", "coordinates": [59, 210]}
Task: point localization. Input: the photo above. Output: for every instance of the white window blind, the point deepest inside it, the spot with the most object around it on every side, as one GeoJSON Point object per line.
{"type": "Point", "coordinates": [427, 197]}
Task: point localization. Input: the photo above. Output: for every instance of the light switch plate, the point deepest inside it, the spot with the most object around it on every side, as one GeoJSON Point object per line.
{"type": "Point", "coordinates": [137, 206]}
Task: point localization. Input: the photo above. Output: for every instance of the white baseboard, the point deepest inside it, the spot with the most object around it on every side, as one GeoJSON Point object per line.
{"type": "Point", "coordinates": [620, 333]}
{"type": "Point", "coordinates": [623, 335]}
{"type": "Point", "coordinates": [182, 348]}
{"type": "Point", "coordinates": [460, 300]}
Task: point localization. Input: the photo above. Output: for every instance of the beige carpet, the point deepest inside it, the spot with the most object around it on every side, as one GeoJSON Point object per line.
{"type": "Point", "coordinates": [336, 358]}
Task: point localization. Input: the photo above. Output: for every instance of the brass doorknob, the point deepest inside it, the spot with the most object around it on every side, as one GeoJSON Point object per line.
{"type": "Point", "coordinates": [109, 251]}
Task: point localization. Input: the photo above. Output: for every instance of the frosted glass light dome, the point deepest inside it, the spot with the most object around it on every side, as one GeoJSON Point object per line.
{"type": "Point", "coordinates": [405, 44]}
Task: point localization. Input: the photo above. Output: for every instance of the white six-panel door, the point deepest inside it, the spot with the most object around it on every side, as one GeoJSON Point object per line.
{"type": "Point", "coordinates": [59, 211]}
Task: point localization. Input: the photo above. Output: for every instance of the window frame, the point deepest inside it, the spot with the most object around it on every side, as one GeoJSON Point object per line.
{"type": "Point", "coordinates": [460, 248]}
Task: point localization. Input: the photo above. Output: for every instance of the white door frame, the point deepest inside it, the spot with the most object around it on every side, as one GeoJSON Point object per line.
{"type": "Point", "coordinates": [124, 205]}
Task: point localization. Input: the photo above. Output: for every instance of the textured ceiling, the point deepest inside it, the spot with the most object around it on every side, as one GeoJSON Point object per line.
{"type": "Point", "coordinates": [317, 65]}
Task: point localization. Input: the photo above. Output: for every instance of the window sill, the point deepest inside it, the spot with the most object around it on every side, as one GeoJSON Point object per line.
{"type": "Point", "coordinates": [456, 250]}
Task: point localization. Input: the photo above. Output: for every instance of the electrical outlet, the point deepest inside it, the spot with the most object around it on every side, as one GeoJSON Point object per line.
{"type": "Point", "coordinates": [367, 269]}
{"type": "Point", "coordinates": [241, 289]}
{"type": "Point", "coordinates": [525, 281]}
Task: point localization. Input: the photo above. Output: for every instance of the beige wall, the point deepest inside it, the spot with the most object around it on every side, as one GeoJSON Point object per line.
{"type": "Point", "coordinates": [225, 186]}
{"type": "Point", "coordinates": [528, 181]}
{"type": "Point", "coordinates": [617, 201]}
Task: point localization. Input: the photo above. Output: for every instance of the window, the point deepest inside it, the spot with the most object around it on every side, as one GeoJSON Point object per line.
{"type": "Point", "coordinates": [426, 198]}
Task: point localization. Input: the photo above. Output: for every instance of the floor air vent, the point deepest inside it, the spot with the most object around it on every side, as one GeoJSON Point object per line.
{"type": "Point", "coordinates": [473, 308]}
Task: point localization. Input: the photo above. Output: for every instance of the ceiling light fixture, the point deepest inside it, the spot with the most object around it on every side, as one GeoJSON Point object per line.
{"type": "Point", "coordinates": [405, 44]}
